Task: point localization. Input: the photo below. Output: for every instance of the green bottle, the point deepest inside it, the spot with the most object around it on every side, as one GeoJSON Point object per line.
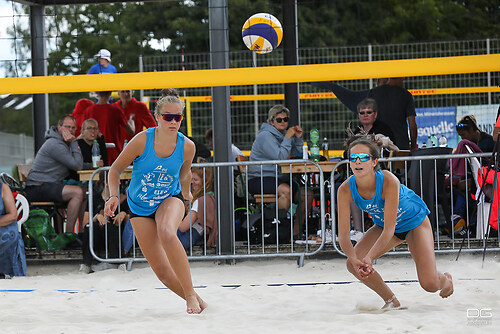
{"type": "Point", "coordinates": [314, 135]}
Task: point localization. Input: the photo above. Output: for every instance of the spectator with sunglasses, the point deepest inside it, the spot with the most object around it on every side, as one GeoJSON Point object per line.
{"type": "Point", "coordinates": [275, 141]}
{"type": "Point", "coordinates": [467, 129]}
{"type": "Point", "coordinates": [398, 214]}
{"type": "Point", "coordinates": [367, 113]}
{"type": "Point", "coordinates": [161, 177]}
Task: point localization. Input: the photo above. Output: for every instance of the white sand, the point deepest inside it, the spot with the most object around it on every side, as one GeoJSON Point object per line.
{"type": "Point", "coordinates": [114, 301]}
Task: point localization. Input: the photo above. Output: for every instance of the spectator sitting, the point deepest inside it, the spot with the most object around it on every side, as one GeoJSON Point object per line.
{"type": "Point", "coordinates": [467, 129]}
{"type": "Point", "coordinates": [275, 141]}
{"type": "Point", "coordinates": [110, 118]}
{"type": "Point", "coordinates": [234, 150]}
{"type": "Point", "coordinates": [136, 111]}
{"type": "Point", "coordinates": [103, 65]}
{"type": "Point", "coordinates": [90, 131]}
{"type": "Point", "coordinates": [58, 156]}
{"type": "Point", "coordinates": [12, 257]}
{"type": "Point", "coordinates": [367, 113]}
{"type": "Point", "coordinates": [203, 211]}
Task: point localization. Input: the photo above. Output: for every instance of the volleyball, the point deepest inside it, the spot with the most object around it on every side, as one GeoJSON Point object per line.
{"type": "Point", "coordinates": [262, 33]}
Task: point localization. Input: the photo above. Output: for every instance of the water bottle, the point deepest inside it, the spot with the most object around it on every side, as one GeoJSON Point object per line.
{"type": "Point", "coordinates": [125, 144]}
{"type": "Point", "coordinates": [96, 154]}
{"type": "Point", "coordinates": [314, 135]}
{"type": "Point", "coordinates": [324, 147]}
{"type": "Point", "coordinates": [305, 153]}
{"type": "Point", "coordinates": [434, 140]}
{"type": "Point", "coordinates": [443, 142]}
{"type": "Point", "coordinates": [429, 142]}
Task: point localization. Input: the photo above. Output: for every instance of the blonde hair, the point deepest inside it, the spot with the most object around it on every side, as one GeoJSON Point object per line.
{"type": "Point", "coordinates": [208, 178]}
{"type": "Point", "coordinates": [168, 99]}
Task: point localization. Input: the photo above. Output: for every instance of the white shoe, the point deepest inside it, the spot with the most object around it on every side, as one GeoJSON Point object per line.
{"type": "Point", "coordinates": [104, 266]}
{"type": "Point", "coordinates": [355, 235]}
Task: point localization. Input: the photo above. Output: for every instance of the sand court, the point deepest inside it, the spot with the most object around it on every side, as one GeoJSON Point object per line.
{"type": "Point", "coordinates": [252, 297]}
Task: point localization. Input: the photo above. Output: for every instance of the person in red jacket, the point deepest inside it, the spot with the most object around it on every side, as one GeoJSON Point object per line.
{"type": "Point", "coordinates": [110, 119]}
{"type": "Point", "coordinates": [136, 111]}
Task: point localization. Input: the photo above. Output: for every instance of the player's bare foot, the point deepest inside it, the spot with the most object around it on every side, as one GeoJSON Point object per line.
{"type": "Point", "coordinates": [193, 306]}
{"type": "Point", "coordinates": [447, 290]}
{"type": "Point", "coordinates": [392, 303]}
{"type": "Point", "coordinates": [203, 304]}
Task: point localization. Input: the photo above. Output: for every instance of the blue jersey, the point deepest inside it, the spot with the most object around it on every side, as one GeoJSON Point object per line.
{"type": "Point", "coordinates": [411, 209]}
{"type": "Point", "coordinates": [99, 69]}
{"type": "Point", "coordinates": [153, 178]}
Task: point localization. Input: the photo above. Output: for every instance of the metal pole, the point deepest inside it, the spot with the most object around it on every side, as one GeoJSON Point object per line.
{"type": "Point", "coordinates": [39, 68]}
{"type": "Point", "coordinates": [255, 102]}
{"type": "Point", "coordinates": [489, 73]}
{"type": "Point", "coordinates": [370, 58]}
{"type": "Point", "coordinates": [291, 57]}
{"type": "Point", "coordinates": [141, 69]}
{"type": "Point", "coordinates": [221, 118]}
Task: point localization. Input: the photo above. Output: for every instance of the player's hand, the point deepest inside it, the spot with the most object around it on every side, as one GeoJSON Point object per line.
{"type": "Point", "coordinates": [366, 269]}
{"type": "Point", "coordinates": [188, 197]}
{"type": "Point", "coordinates": [111, 206]}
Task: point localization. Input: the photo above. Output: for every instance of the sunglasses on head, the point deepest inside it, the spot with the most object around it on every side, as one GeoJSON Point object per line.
{"type": "Point", "coordinates": [171, 117]}
{"type": "Point", "coordinates": [369, 112]}
{"type": "Point", "coordinates": [284, 119]}
{"type": "Point", "coordinates": [363, 157]}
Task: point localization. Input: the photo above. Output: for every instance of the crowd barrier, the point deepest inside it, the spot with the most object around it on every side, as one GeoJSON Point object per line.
{"type": "Point", "coordinates": [260, 230]}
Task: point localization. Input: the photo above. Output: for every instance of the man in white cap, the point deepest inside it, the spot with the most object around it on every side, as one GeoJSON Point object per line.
{"type": "Point", "coordinates": [103, 66]}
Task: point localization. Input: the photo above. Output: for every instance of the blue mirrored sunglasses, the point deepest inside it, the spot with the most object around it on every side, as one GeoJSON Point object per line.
{"type": "Point", "coordinates": [363, 157]}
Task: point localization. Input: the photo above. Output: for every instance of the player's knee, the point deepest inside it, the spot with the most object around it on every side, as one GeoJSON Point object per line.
{"type": "Point", "coordinates": [167, 234]}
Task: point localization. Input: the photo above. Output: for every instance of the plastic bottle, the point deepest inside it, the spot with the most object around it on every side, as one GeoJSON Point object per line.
{"type": "Point", "coordinates": [96, 154]}
{"type": "Point", "coordinates": [443, 142]}
{"type": "Point", "coordinates": [125, 144]}
{"type": "Point", "coordinates": [324, 147]}
{"type": "Point", "coordinates": [305, 153]}
{"type": "Point", "coordinates": [434, 140]}
{"type": "Point", "coordinates": [424, 145]}
{"type": "Point", "coordinates": [429, 142]}
{"type": "Point", "coordinates": [314, 135]}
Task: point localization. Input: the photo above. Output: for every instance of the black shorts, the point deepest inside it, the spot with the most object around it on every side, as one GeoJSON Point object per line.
{"type": "Point", "coordinates": [152, 216]}
{"type": "Point", "coordinates": [402, 235]}
{"type": "Point", "coordinates": [45, 192]}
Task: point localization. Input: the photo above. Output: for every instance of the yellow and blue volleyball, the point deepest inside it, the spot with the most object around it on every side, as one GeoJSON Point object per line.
{"type": "Point", "coordinates": [262, 33]}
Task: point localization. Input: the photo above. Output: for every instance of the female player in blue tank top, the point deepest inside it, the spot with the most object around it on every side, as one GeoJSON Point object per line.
{"type": "Point", "coordinates": [160, 182]}
{"type": "Point", "coordinates": [398, 214]}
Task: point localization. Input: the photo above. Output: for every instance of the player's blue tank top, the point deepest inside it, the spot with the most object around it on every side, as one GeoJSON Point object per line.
{"type": "Point", "coordinates": [411, 209]}
{"type": "Point", "coordinates": [154, 178]}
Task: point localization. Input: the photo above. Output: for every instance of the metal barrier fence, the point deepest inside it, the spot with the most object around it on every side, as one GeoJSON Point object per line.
{"type": "Point", "coordinates": [431, 177]}
{"type": "Point", "coordinates": [251, 218]}
{"type": "Point", "coordinates": [261, 231]}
